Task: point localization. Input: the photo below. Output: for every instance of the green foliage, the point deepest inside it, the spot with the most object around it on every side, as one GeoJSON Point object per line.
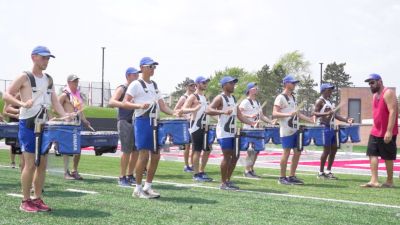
{"type": "Point", "coordinates": [334, 73]}
{"type": "Point", "coordinates": [244, 77]}
{"type": "Point", "coordinates": [294, 63]}
{"type": "Point", "coordinates": [180, 89]}
{"type": "Point", "coordinates": [269, 82]}
{"type": "Point", "coordinates": [307, 94]}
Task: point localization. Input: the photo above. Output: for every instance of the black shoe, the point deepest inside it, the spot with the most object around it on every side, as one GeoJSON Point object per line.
{"type": "Point", "coordinates": [322, 176]}
{"type": "Point", "coordinates": [330, 176]}
{"type": "Point", "coordinates": [294, 180]}
{"type": "Point", "coordinates": [284, 180]}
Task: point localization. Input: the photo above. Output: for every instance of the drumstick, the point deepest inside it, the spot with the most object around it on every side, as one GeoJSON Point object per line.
{"type": "Point", "coordinates": [338, 107]}
{"type": "Point", "coordinates": [90, 127]}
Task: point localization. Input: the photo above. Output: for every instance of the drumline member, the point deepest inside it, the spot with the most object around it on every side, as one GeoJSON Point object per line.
{"type": "Point", "coordinates": [251, 109]}
{"type": "Point", "coordinates": [382, 139]}
{"type": "Point", "coordinates": [224, 105]}
{"type": "Point", "coordinates": [72, 101]}
{"type": "Point", "coordinates": [144, 97]}
{"type": "Point", "coordinates": [285, 110]}
{"type": "Point", "coordinates": [324, 111]}
{"type": "Point", "coordinates": [129, 154]}
{"type": "Point", "coordinates": [197, 104]}
{"type": "Point", "coordinates": [190, 89]}
{"type": "Point", "coordinates": [12, 112]}
{"type": "Point", "coordinates": [34, 98]}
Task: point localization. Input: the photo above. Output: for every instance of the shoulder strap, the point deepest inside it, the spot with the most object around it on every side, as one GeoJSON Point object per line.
{"type": "Point", "coordinates": [287, 97]}
{"type": "Point", "coordinates": [197, 96]}
{"type": "Point", "coordinates": [50, 81]}
{"type": "Point", "coordinates": [68, 94]}
{"type": "Point", "coordinates": [124, 87]}
{"type": "Point", "coordinates": [225, 97]}
{"type": "Point", "coordinates": [31, 80]}
{"type": "Point", "coordinates": [251, 102]}
{"type": "Point", "coordinates": [155, 86]}
{"type": "Point", "coordinates": [234, 99]}
{"type": "Point", "coordinates": [146, 90]}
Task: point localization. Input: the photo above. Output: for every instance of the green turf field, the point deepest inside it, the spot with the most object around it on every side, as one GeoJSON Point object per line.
{"type": "Point", "coordinates": [261, 201]}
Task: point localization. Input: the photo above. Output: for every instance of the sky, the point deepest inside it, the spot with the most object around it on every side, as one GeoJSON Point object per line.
{"type": "Point", "coordinates": [192, 38]}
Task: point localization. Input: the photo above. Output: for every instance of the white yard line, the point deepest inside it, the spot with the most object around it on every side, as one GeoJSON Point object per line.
{"type": "Point", "coordinates": [259, 192]}
{"type": "Point", "coordinates": [15, 195]}
{"type": "Point", "coordinates": [81, 191]}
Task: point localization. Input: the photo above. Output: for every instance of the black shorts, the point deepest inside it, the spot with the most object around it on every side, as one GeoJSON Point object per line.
{"type": "Point", "coordinates": [377, 147]}
{"type": "Point", "coordinates": [198, 141]}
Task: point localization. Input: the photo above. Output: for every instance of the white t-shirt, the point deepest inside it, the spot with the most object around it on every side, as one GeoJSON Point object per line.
{"type": "Point", "coordinates": [139, 95]}
{"type": "Point", "coordinates": [249, 109]}
{"type": "Point", "coordinates": [286, 107]}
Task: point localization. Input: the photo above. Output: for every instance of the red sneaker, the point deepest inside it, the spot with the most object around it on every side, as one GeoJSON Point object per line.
{"type": "Point", "coordinates": [40, 205]}
{"type": "Point", "coordinates": [28, 206]}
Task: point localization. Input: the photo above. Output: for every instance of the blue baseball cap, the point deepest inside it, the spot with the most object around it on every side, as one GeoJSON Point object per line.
{"type": "Point", "coordinates": [290, 79]}
{"type": "Point", "coordinates": [131, 70]}
{"type": "Point", "coordinates": [250, 86]}
{"type": "Point", "coordinates": [228, 79]}
{"type": "Point", "coordinates": [147, 61]}
{"type": "Point", "coordinates": [326, 86]}
{"type": "Point", "coordinates": [373, 76]}
{"type": "Point", "coordinates": [42, 50]}
{"type": "Point", "coordinates": [201, 79]}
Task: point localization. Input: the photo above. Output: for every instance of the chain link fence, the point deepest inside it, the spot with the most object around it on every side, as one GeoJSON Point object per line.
{"type": "Point", "coordinates": [90, 91]}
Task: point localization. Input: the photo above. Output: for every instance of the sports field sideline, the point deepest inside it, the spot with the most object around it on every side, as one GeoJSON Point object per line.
{"type": "Point", "coordinates": [98, 199]}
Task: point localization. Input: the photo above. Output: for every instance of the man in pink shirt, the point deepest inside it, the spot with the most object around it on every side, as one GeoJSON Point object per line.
{"type": "Point", "coordinates": [382, 140]}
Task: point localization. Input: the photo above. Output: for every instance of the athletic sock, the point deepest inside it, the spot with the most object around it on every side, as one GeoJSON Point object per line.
{"type": "Point", "coordinates": [138, 187]}
{"type": "Point", "coordinates": [147, 186]}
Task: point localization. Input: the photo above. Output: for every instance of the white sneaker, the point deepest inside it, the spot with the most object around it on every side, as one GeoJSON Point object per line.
{"type": "Point", "coordinates": [140, 194]}
{"type": "Point", "coordinates": [153, 194]}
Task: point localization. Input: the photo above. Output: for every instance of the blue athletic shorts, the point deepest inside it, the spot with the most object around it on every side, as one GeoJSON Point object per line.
{"type": "Point", "coordinates": [143, 134]}
{"type": "Point", "coordinates": [289, 141]}
{"type": "Point", "coordinates": [26, 137]}
{"type": "Point", "coordinates": [226, 143]}
{"type": "Point", "coordinates": [330, 136]}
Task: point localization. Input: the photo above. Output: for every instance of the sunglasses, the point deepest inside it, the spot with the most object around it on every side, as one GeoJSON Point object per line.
{"type": "Point", "coordinates": [372, 82]}
{"type": "Point", "coordinates": [150, 66]}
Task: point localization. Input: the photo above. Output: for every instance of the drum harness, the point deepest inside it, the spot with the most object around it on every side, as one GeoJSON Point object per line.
{"type": "Point", "coordinates": [42, 116]}
{"type": "Point", "coordinates": [152, 112]}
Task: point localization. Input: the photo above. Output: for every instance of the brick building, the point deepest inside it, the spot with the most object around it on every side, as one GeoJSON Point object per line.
{"type": "Point", "coordinates": [359, 107]}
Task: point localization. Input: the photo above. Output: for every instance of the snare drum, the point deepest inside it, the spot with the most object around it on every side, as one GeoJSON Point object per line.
{"type": "Point", "coordinates": [9, 130]}
{"type": "Point", "coordinates": [254, 137]}
{"type": "Point", "coordinates": [352, 131]}
{"type": "Point", "coordinates": [99, 138]}
{"type": "Point", "coordinates": [102, 141]}
{"type": "Point", "coordinates": [272, 133]}
{"type": "Point", "coordinates": [176, 128]}
{"type": "Point", "coordinates": [314, 133]}
{"type": "Point", "coordinates": [66, 135]}
{"type": "Point", "coordinates": [211, 134]}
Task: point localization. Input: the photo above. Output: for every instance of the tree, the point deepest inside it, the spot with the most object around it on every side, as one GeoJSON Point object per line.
{"type": "Point", "coordinates": [307, 94]}
{"type": "Point", "coordinates": [180, 89]}
{"type": "Point", "coordinates": [269, 83]}
{"type": "Point", "coordinates": [334, 73]}
{"type": "Point", "coordinates": [294, 63]}
{"type": "Point", "coordinates": [244, 77]}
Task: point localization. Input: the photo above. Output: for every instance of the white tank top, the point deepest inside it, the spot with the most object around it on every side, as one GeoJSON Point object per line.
{"type": "Point", "coordinates": [200, 118]}
{"type": "Point", "coordinates": [226, 126]}
{"type": "Point", "coordinates": [42, 98]}
{"type": "Point", "coordinates": [328, 105]}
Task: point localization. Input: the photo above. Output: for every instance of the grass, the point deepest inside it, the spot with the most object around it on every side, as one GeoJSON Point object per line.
{"type": "Point", "coordinates": [262, 204]}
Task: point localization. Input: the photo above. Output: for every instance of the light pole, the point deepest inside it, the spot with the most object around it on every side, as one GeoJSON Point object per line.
{"type": "Point", "coordinates": [320, 79]}
{"type": "Point", "coordinates": [102, 76]}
